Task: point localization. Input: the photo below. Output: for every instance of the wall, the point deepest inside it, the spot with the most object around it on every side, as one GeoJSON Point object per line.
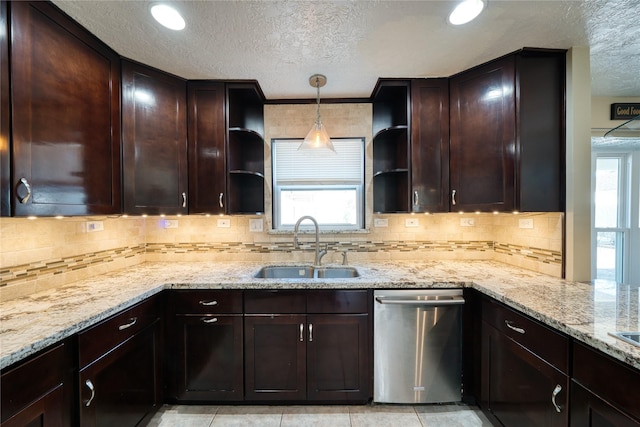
{"type": "Point", "coordinates": [47, 252]}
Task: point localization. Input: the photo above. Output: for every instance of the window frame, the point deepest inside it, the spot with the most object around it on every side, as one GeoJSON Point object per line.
{"type": "Point", "coordinates": [360, 189]}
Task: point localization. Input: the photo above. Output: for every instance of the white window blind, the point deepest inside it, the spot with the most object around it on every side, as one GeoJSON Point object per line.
{"type": "Point", "coordinates": [326, 185]}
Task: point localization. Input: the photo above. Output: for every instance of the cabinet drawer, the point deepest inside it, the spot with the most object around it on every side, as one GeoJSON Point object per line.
{"type": "Point", "coordinates": [205, 301]}
{"type": "Point", "coordinates": [531, 334]}
{"type": "Point", "coordinates": [607, 378]}
{"type": "Point", "coordinates": [275, 301]}
{"type": "Point", "coordinates": [108, 334]}
{"type": "Point", "coordinates": [338, 301]}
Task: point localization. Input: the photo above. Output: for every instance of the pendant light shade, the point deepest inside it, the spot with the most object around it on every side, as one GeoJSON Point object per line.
{"type": "Point", "coordinates": [317, 136]}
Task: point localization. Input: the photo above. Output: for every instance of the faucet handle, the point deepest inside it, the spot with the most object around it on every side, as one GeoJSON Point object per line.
{"type": "Point", "coordinates": [344, 258]}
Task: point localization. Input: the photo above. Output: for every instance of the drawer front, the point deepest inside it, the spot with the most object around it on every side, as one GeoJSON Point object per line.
{"type": "Point", "coordinates": [205, 301]}
{"type": "Point", "coordinates": [338, 301]}
{"type": "Point", "coordinates": [531, 334]}
{"type": "Point", "coordinates": [607, 378]}
{"type": "Point", "coordinates": [275, 301]}
{"type": "Point", "coordinates": [108, 334]}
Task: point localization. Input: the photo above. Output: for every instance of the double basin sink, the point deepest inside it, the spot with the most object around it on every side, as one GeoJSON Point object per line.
{"type": "Point", "coordinates": [306, 272]}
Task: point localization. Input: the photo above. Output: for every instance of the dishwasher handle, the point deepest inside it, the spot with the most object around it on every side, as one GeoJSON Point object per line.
{"type": "Point", "coordinates": [454, 300]}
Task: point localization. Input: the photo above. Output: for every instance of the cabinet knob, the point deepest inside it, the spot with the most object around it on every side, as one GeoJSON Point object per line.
{"type": "Point", "coordinates": [132, 322]}
{"type": "Point", "coordinates": [416, 198]}
{"type": "Point", "coordinates": [310, 332]}
{"type": "Point", "coordinates": [208, 303]}
{"type": "Point", "coordinates": [92, 389]}
{"type": "Point", "coordinates": [511, 326]}
{"type": "Point", "coordinates": [209, 319]}
{"type": "Point", "coordinates": [453, 197]}
{"type": "Point", "coordinates": [23, 183]}
{"type": "Point", "coordinates": [220, 200]}
{"type": "Point", "coordinates": [301, 332]}
{"type": "Point", "coordinates": [184, 200]}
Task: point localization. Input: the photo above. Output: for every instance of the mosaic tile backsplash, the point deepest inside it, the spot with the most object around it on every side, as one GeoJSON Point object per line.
{"type": "Point", "coordinates": [44, 253]}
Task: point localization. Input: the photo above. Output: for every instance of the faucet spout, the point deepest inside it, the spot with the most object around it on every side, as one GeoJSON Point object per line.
{"type": "Point", "coordinates": [296, 245]}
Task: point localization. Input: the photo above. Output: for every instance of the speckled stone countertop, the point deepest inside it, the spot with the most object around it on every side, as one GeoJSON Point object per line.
{"type": "Point", "coordinates": [587, 312]}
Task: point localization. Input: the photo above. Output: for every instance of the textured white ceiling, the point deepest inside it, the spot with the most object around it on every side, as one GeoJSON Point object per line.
{"type": "Point", "coordinates": [281, 43]}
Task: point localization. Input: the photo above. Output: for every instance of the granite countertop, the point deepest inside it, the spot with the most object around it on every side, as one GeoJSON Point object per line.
{"type": "Point", "coordinates": [587, 312]}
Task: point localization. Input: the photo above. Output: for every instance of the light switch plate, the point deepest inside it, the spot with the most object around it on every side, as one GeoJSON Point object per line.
{"type": "Point", "coordinates": [411, 222]}
{"type": "Point", "coordinates": [170, 223]}
{"type": "Point", "coordinates": [380, 222]}
{"type": "Point", "coordinates": [525, 223]}
{"type": "Point", "coordinates": [93, 226]}
{"type": "Point", "coordinates": [467, 222]}
{"type": "Point", "coordinates": [224, 223]}
{"type": "Point", "coordinates": [256, 225]}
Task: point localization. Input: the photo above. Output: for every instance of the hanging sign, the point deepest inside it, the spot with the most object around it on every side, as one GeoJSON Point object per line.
{"type": "Point", "coordinates": [624, 111]}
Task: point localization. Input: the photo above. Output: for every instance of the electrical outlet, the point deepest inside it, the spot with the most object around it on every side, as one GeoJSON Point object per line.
{"type": "Point", "coordinates": [170, 223]}
{"type": "Point", "coordinates": [380, 222]}
{"type": "Point", "coordinates": [224, 223]}
{"type": "Point", "coordinates": [256, 225]}
{"type": "Point", "coordinates": [93, 226]}
{"type": "Point", "coordinates": [411, 222]}
{"type": "Point", "coordinates": [467, 222]}
{"type": "Point", "coordinates": [525, 223]}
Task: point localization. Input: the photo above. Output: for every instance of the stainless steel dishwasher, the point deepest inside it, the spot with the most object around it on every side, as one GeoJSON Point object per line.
{"type": "Point", "coordinates": [417, 346]}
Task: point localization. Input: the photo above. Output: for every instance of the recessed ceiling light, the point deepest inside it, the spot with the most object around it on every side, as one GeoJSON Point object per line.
{"type": "Point", "coordinates": [466, 11]}
{"type": "Point", "coordinates": [168, 16]}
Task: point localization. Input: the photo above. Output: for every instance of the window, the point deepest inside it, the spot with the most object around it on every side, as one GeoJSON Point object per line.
{"type": "Point", "coordinates": [616, 233]}
{"type": "Point", "coordinates": [327, 186]}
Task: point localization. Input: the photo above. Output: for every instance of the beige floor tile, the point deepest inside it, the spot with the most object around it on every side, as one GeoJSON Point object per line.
{"type": "Point", "coordinates": [451, 416]}
{"type": "Point", "coordinates": [316, 416]}
{"type": "Point", "coordinates": [184, 416]}
{"type": "Point", "coordinates": [248, 416]}
{"type": "Point", "coordinates": [384, 415]}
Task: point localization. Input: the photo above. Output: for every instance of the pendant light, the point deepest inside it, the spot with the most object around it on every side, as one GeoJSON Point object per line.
{"type": "Point", "coordinates": [317, 136]}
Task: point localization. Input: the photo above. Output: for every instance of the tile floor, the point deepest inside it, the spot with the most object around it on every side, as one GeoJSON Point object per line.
{"type": "Point", "coordinates": [453, 415]}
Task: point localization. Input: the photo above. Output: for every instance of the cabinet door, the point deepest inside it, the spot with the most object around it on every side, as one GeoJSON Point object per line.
{"type": "Point", "coordinates": [122, 387]}
{"type": "Point", "coordinates": [39, 391]}
{"type": "Point", "coordinates": [482, 156]}
{"type": "Point", "coordinates": [207, 165]}
{"type": "Point", "coordinates": [338, 357]}
{"type": "Point", "coordinates": [208, 361]}
{"type": "Point", "coordinates": [154, 131]}
{"type": "Point", "coordinates": [275, 357]}
{"type": "Point", "coordinates": [65, 116]}
{"type": "Point", "coordinates": [588, 410]}
{"type": "Point", "coordinates": [5, 117]}
{"type": "Point", "coordinates": [430, 145]}
{"type": "Point", "coordinates": [520, 388]}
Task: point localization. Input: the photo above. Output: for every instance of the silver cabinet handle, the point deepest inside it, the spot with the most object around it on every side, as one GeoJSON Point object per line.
{"type": "Point", "coordinates": [184, 200]}
{"type": "Point", "coordinates": [509, 324]}
{"type": "Point", "coordinates": [220, 200]}
{"type": "Point", "coordinates": [25, 183]}
{"type": "Point", "coordinates": [301, 332]}
{"type": "Point", "coordinates": [132, 322]}
{"type": "Point", "coordinates": [208, 303]}
{"type": "Point", "coordinates": [453, 197]}
{"type": "Point", "coordinates": [209, 320]}
{"type": "Point", "coordinates": [310, 332]}
{"type": "Point", "coordinates": [556, 391]}
{"type": "Point", "coordinates": [91, 388]}
{"type": "Point", "coordinates": [455, 300]}
{"type": "Point", "coordinates": [416, 198]}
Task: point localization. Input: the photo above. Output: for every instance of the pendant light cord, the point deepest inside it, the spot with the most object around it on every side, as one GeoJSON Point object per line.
{"type": "Point", "coordinates": [318, 101]}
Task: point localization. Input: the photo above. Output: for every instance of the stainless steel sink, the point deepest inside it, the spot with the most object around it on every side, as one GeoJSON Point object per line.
{"type": "Point", "coordinates": [630, 337]}
{"type": "Point", "coordinates": [306, 272]}
{"type": "Point", "coordinates": [286, 272]}
{"type": "Point", "coordinates": [336, 273]}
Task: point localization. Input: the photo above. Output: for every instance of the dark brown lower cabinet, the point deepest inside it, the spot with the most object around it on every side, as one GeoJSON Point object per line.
{"type": "Point", "coordinates": [604, 391]}
{"type": "Point", "coordinates": [318, 354]}
{"type": "Point", "coordinates": [38, 391]}
{"type": "Point", "coordinates": [589, 410]}
{"type": "Point", "coordinates": [208, 358]}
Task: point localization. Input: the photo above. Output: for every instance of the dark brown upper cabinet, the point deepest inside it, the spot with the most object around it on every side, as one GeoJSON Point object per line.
{"type": "Point", "coordinates": [154, 140]}
{"type": "Point", "coordinates": [507, 134]}
{"type": "Point", "coordinates": [411, 145]}
{"type": "Point", "coordinates": [5, 117]}
{"type": "Point", "coordinates": [226, 147]}
{"type": "Point", "coordinates": [245, 148]}
{"type": "Point", "coordinates": [65, 101]}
